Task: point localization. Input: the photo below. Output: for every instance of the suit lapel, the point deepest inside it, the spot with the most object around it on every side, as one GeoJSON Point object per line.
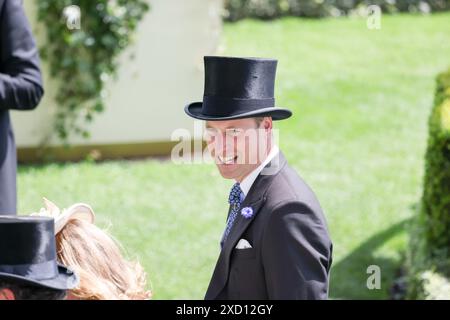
{"type": "Point", "coordinates": [254, 199]}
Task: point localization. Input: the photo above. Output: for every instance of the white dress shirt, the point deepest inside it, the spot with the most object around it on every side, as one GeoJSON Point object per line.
{"type": "Point", "coordinates": [248, 181]}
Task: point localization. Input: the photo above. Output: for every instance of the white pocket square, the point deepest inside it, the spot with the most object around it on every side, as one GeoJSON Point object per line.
{"type": "Point", "coordinates": [243, 244]}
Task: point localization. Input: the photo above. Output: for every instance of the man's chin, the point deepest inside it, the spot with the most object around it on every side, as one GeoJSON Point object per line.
{"type": "Point", "coordinates": [226, 171]}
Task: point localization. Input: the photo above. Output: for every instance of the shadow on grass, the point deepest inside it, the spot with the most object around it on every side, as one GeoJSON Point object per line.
{"type": "Point", "coordinates": [348, 277]}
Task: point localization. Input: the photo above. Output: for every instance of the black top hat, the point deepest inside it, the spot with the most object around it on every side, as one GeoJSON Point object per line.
{"type": "Point", "coordinates": [28, 253]}
{"type": "Point", "coordinates": [238, 88]}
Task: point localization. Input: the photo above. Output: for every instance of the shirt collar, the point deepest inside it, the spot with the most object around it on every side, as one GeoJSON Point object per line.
{"type": "Point", "coordinates": [248, 181]}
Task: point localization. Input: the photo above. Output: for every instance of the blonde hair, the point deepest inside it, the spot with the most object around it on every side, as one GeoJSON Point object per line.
{"type": "Point", "coordinates": [104, 273]}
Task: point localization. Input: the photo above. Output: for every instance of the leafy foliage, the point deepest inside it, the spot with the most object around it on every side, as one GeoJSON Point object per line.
{"type": "Point", "coordinates": [429, 261]}
{"type": "Point", "coordinates": [83, 59]}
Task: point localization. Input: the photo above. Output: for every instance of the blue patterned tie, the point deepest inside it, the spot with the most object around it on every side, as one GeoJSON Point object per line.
{"type": "Point", "coordinates": [235, 200]}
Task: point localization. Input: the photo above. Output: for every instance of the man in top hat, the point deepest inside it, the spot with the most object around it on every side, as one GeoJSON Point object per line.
{"type": "Point", "coordinates": [28, 265]}
{"type": "Point", "coordinates": [275, 244]}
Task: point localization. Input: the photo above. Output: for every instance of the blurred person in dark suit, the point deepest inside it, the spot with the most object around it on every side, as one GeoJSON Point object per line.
{"type": "Point", "coordinates": [20, 89]}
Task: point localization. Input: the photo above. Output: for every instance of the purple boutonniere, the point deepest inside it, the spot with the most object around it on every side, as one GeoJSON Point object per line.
{"type": "Point", "coordinates": [247, 212]}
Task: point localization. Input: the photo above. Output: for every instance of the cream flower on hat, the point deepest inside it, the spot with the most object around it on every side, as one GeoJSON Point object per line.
{"type": "Point", "coordinates": [81, 211]}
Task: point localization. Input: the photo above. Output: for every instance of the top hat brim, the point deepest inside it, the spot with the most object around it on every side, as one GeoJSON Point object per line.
{"type": "Point", "coordinates": [194, 110]}
{"type": "Point", "coordinates": [65, 280]}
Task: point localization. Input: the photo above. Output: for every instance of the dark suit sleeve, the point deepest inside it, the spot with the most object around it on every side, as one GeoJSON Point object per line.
{"type": "Point", "coordinates": [20, 77]}
{"type": "Point", "coordinates": [296, 253]}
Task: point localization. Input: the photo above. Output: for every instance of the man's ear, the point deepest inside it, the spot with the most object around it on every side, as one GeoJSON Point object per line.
{"type": "Point", "coordinates": [267, 123]}
{"type": "Point", "coordinates": [6, 294]}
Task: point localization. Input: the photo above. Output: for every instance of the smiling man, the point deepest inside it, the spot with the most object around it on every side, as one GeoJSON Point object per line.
{"type": "Point", "coordinates": [275, 244]}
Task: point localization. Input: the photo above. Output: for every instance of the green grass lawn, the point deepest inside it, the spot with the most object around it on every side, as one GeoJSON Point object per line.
{"type": "Point", "coordinates": [361, 101]}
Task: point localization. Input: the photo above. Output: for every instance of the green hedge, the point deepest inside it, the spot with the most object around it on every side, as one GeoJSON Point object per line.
{"type": "Point", "coordinates": [436, 196]}
{"type": "Point", "coordinates": [269, 9]}
{"type": "Point", "coordinates": [430, 237]}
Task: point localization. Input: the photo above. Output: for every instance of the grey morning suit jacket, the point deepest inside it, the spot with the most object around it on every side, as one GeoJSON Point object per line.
{"type": "Point", "coordinates": [291, 250]}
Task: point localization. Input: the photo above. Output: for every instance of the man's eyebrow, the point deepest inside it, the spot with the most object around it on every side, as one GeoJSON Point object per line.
{"type": "Point", "coordinates": [207, 126]}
